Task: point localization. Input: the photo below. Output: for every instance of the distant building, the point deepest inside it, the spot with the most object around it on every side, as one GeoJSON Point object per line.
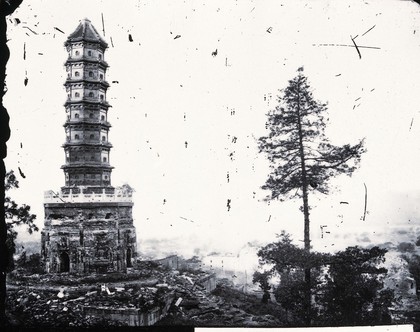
{"type": "Point", "coordinates": [88, 225]}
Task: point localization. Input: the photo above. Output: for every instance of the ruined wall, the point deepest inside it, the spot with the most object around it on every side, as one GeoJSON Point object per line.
{"type": "Point", "coordinates": [88, 237]}
{"type": "Point", "coordinates": [132, 316]}
{"type": "Point", "coordinates": [208, 282]}
{"type": "Point", "coordinates": [172, 262]}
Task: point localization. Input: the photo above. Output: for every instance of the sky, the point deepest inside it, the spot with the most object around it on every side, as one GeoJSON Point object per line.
{"type": "Point", "coordinates": [169, 87]}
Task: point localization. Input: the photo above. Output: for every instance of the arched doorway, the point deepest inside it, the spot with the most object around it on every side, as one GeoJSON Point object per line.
{"type": "Point", "coordinates": [128, 257]}
{"type": "Point", "coordinates": [64, 262]}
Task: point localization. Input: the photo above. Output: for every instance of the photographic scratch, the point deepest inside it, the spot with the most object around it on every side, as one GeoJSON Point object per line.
{"type": "Point", "coordinates": [228, 204]}
{"type": "Point", "coordinates": [177, 36]}
{"type": "Point", "coordinates": [369, 30]}
{"type": "Point", "coordinates": [31, 30]}
{"type": "Point", "coordinates": [322, 230]}
{"type": "Point", "coordinates": [346, 45]}
{"type": "Point", "coordinates": [103, 24]}
{"type": "Point", "coordinates": [337, 75]}
{"type": "Point", "coordinates": [24, 51]}
{"type": "Point", "coordinates": [59, 30]}
{"type": "Point", "coordinates": [366, 197]}
{"type": "Point", "coordinates": [355, 45]}
{"type": "Point", "coordinates": [411, 124]}
{"type": "Point", "coordinates": [112, 43]}
{"type": "Point", "coordinates": [269, 218]}
{"type": "Point", "coordinates": [344, 202]}
{"type": "Point", "coordinates": [270, 29]}
{"type": "Point", "coordinates": [21, 173]}
{"type": "Point", "coordinates": [25, 82]}
{"type": "Point", "coordinates": [186, 219]}
{"type": "Point", "coordinates": [130, 37]}
{"type": "Point", "coordinates": [214, 53]}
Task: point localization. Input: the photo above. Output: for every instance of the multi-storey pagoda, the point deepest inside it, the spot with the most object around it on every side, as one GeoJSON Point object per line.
{"type": "Point", "coordinates": [88, 225]}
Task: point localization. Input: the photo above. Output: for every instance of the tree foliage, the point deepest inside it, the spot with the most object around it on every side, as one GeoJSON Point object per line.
{"type": "Point", "coordinates": [289, 262]}
{"type": "Point", "coordinates": [353, 292]}
{"type": "Point", "coordinates": [300, 153]}
{"type": "Point", "coordinates": [15, 215]}
{"type": "Point", "coordinates": [414, 269]}
{"type": "Point", "coordinates": [346, 287]}
{"type": "Point", "coordinates": [262, 278]}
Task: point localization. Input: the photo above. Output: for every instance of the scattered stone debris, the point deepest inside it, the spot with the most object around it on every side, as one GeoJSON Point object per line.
{"type": "Point", "coordinates": [150, 294]}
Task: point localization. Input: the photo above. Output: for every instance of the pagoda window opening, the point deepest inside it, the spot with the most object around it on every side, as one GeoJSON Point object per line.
{"type": "Point", "coordinates": [102, 97]}
{"type": "Point", "coordinates": [76, 73]}
{"type": "Point", "coordinates": [91, 116]}
{"type": "Point", "coordinates": [76, 94]}
{"type": "Point", "coordinates": [89, 53]}
{"type": "Point", "coordinates": [77, 53]}
{"type": "Point", "coordinates": [92, 157]}
{"type": "Point", "coordinates": [91, 136]}
{"type": "Point", "coordinates": [76, 136]}
{"type": "Point", "coordinates": [100, 56]}
{"type": "Point", "coordinates": [102, 117]}
{"type": "Point", "coordinates": [101, 76]}
{"type": "Point", "coordinates": [104, 160]}
{"type": "Point", "coordinates": [91, 74]}
{"type": "Point", "coordinates": [103, 138]}
{"type": "Point", "coordinates": [76, 115]}
{"type": "Point", "coordinates": [90, 94]}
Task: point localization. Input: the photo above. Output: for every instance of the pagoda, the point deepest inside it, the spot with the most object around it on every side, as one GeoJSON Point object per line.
{"type": "Point", "coordinates": [88, 224]}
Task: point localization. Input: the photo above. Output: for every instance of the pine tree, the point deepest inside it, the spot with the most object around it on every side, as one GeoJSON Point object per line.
{"type": "Point", "coordinates": [301, 157]}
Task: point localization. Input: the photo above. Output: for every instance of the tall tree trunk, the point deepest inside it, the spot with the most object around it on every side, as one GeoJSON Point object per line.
{"type": "Point", "coordinates": [6, 8]}
{"type": "Point", "coordinates": [307, 241]}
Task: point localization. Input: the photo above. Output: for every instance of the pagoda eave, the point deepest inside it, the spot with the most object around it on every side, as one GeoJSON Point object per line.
{"type": "Point", "coordinates": [87, 101]}
{"type": "Point", "coordinates": [104, 84]}
{"type": "Point", "coordinates": [103, 124]}
{"type": "Point", "coordinates": [83, 166]}
{"type": "Point", "coordinates": [102, 63]}
{"type": "Point", "coordinates": [73, 40]}
{"type": "Point", "coordinates": [93, 144]}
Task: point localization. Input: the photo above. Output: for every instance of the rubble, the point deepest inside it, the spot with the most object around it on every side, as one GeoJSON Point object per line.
{"type": "Point", "coordinates": [142, 298]}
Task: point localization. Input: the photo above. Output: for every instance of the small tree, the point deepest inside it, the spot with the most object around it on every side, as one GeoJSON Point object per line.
{"type": "Point", "coordinates": [262, 278]}
{"type": "Point", "coordinates": [353, 293]}
{"type": "Point", "coordinates": [414, 269]}
{"type": "Point", "coordinates": [347, 286]}
{"type": "Point", "coordinates": [290, 262]}
{"type": "Point", "coordinates": [15, 215]}
{"type": "Point", "coordinates": [301, 157]}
